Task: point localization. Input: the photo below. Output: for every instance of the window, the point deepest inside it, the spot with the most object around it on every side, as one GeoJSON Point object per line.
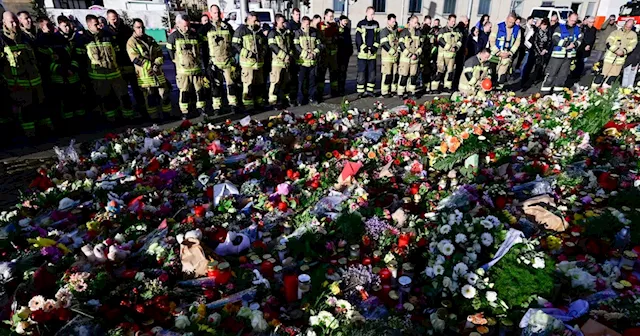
{"type": "Point", "coordinates": [449, 6]}
{"type": "Point", "coordinates": [590, 8]}
{"type": "Point", "coordinates": [547, 4]}
{"type": "Point", "coordinates": [338, 5]}
{"type": "Point", "coordinates": [484, 7]}
{"type": "Point", "coordinates": [516, 6]}
{"type": "Point", "coordinates": [415, 6]}
{"type": "Point", "coordinates": [380, 6]}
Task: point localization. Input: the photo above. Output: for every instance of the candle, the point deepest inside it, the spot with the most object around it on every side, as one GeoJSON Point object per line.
{"type": "Point", "coordinates": [385, 276]}
{"type": "Point", "coordinates": [266, 268]}
{"type": "Point", "coordinates": [304, 285]}
{"type": "Point", "coordinates": [366, 261]}
{"type": "Point", "coordinates": [224, 273]}
{"type": "Point", "coordinates": [290, 287]}
{"type": "Point", "coordinates": [377, 255]}
{"type": "Point", "coordinates": [211, 269]}
{"type": "Point", "coordinates": [354, 252]}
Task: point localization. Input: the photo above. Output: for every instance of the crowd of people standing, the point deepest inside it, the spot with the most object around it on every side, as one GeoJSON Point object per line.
{"type": "Point", "coordinates": [86, 74]}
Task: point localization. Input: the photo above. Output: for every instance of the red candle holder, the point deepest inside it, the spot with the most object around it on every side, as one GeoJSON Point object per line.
{"type": "Point", "coordinates": [291, 287]}
{"type": "Point", "coordinates": [385, 275]}
{"type": "Point", "coordinates": [266, 268]}
{"type": "Point", "coordinates": [403, 240]}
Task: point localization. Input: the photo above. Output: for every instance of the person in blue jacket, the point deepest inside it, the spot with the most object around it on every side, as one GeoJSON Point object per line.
{"type": "Point", "coordinates": [367, 44]}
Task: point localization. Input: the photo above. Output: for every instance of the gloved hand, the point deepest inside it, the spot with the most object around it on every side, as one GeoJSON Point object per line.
{"type": "Point", "coordinates": [158, 60]}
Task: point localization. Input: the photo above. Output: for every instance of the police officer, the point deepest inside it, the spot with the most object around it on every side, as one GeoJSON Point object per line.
{"type": "Point", "coordinates": [184, 48]}
{"type": "Point", "coordinates": [279, 40]}
{"type": "Point", "coordinates": [146, 55]}
{"type": "Point", "coordinates": [410, 51]}
{"type": "Point", "coordinates": [328, 30]}
{"type": "Point", "coordinates": [504, 41]}
{"type": "Point", "coordinates": [389, 56]}
{"type": "Point", "coordinates": [367, 44]}
{"type": "Point", "coordinates": [308, 47]}
{"type": "Point", "coordinates": [565, 41]}
{"type": "Point", "coordinates": [620, 43]}
{"type": "Point", "coordinates": [21, 74]}
{"type": "Point", "coordinates": [448, 44]}
{"type": "Point", "coordinates": [345, 50]}
{"type": "Point", "coordinates": [250, 43]}
{"type": "Point", "coordinates": [63, 80]}
{"type": "Point", "coordinates": [220, 54]}
{"type": "Point", "coordinates": [122, 32]}
{"type": "Point", "coordinates": [475, 70]}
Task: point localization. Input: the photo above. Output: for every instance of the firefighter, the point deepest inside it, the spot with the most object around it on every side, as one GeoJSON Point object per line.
{"type": "Point", "coordinates": [122, 33]}
{"type": "Point", "coordinates": [184, 50]}
{"type": "Point", "coordinates": [389, 39]}
{"type": "Point", "coordinates": [308, 47]}
{"type": "Point", "coordinates": [620, 43]}
{"type": "Point", "coordinates": [293, 25]}
{"type": "Point", "coordinates": [26, 25]}
{"type": "Point", "coordinates": [67, 30]}
{"type": "Point", "coordinates": [448, 44]}
{"type": "Point", "coordinates": [565, 41]}
{"type": "Point", "coordinates": [146, 55]}
{"type": "Point", "coordinates": [63, 79]}
{"type": "Point", "coordinates": [475, 70]}
{"type": "Point", "coordinates": [410, 51]}
{"type": "Point", "coordinates": [249, 42]}
{"type": "Point", "coordinates": [328, 30]}
{"type": "Point", "coordinates": [281, 48]}
{"type": "Point", "coordinates": [504, 42]}
{"type": "Point", "coordinates": [19, 70]}
{"type": "Point", "coordinates": [220, 55]}
{"type": "Point", "coordinates": [429, 48]}
{"type": "Point", "coordinates": [345, 50]}
{"type": "Point", "coordinates": [103, 71]}
{"type": "Point", "coordinates": [367, 44]}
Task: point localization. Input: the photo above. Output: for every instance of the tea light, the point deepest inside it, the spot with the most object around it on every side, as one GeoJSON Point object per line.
{"type": "Point", "coordinates": [224, 273]}
{"type": "Point", "coordinates": [354, 252]}
{"type": "Point", "coordinates": [304, 285]}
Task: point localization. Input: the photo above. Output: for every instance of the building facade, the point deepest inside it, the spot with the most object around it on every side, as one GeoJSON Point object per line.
{"type": "Point", "coordinates": [474, 9]}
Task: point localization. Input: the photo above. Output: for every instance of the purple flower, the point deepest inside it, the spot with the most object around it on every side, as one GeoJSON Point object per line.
{"type": "Point", "coordinates": [376, 227]}
{"type": "Point", "coordinates": [52, 252]}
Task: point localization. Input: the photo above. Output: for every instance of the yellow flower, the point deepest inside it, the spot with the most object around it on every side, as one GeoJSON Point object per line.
{"type": "Point", "coordinates": [589, 213]}
{"type": "Point", "coordinates": [573, 114]}
{"type": "Point", "coordinates": [578, 217]}
{"type": "Point", "coordinates": [202, 310]}
{"type": "Point", "coordinates": [335, 288]}
{"type": "Point", "coordinates": [625, 283]}
{"type": "Point", "coordinates": [41, 242]}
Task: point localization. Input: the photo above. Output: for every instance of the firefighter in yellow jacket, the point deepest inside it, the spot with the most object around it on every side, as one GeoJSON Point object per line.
{"type": "Point", "coordinates": [620, 43]}
{"type": "Point", "coordinates": [184, 49]}
{"type": "Point", "coordinates": [19, 70]}
{"type": "Point", "coordinates": [249, 42]}
{"type": "Point", "coordinates": [476, 69]}
{"type": "Point", "coordinates": [410, 51]}
{"type": "Point", "coordinates": [448, 45]}
{"type": "Point", "coordinates": [102, 68]}
{"type": "Point", "coordinates": [389, 38]}
{"type": "Point", "coordinates": [219, 36]}
{"type": "Point", "coordinates": [280, 43]}
{"type": "Point", "coordinates": [146, 56]}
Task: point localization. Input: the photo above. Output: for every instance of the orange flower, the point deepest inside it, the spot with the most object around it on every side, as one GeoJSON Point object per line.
{"type": "Point", "coordinates": [477, 130]}
{"type": "Point", "coordinates": [464, 135]}
{"type": "Point", "coordinates": [371, 155]}
{"type": "Point", "coordinates": [443, 147]}
{"type": "Point", "coordinates": [454, 144]}
{"type": "Point", "coordinates": [477, 319]}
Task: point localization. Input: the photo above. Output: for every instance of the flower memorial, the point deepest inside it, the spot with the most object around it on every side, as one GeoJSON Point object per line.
{"type": "Point", "coordinates": [493, 215]}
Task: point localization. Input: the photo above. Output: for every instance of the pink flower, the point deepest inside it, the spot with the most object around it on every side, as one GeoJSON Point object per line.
{"type": "Point", "coordinates": [283, 189]}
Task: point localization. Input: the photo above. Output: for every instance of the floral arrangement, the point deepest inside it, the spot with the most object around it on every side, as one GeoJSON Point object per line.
{"type": "Point", "coordinates": [469, 215]}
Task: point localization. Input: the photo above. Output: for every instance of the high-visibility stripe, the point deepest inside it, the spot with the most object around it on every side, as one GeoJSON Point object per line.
{"type": "Point", "coordinates": [112, 75]}
{"type": "Point", "coordinates": [200, 104]}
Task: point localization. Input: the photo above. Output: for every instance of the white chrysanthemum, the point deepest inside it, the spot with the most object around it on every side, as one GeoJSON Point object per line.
{"type": "Point", "coordinates": [461, 238]}
{"type": "Point", "coordinates": [538, 263]}
{"type": "Point", "coordinates": [486, 239]}
{"type": "Point", "coordinates": [469, 291]}
{"type": "Point", "coordinates": [447, 249]}
{"type": "Point", "coordinates": [492, 296]}
{"type": "Point", "coordinates": [445, 229]}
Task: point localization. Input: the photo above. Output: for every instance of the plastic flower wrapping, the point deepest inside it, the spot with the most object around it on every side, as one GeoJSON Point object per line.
{"type": "Point", "coordinates": [492, 215]}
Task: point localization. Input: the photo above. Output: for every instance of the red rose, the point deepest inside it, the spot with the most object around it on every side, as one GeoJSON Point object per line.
{"type": "Point", "coordinates": [153, 165]}
{"type": "Point", "coordinates": [166, 146]}
{"type": "Point", "coordinates": [163, 277]}
{"type": "Point", "coordinates": [40, 316]}
{"type": "Point", "coordinates": [282, 206]}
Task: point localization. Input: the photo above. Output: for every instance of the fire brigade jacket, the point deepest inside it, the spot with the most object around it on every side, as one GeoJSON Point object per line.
{"type": "Point", "coordinates": [562, 37]}
{"type": "Point", "coordinates": [449, 42]}
{"type": "Point", "coordinates": [620, 40]}
{"type": "Point", "coordinates": [184, 49]}
{"type": "Point", "coordinates": [503, 39]}
{"type": "Point", "coordinates": [100, 49]}
{"type": "Point", "coordinates": [410, 44]}
{"type": "Point", "coordinates": [389, 39]}
{"type": "Point", "coordinates": [281, 48]}
{"type": "Point", "coordinates": [144, 52]}
{"type": "Point", "coordinates": [306, 42]}
{"type": "Point", "coordinates": [18, 60]}
{"type": "Point", "coordinates": [367, 39]}
{"type": "Point", "coordinates": [58, 58]}
{"type": "Point", "coordinates": [219, 38]}
{"type": "Point", "coordinates": [329, 35]}
{"type": "Point", "coordinates": [249, 42]}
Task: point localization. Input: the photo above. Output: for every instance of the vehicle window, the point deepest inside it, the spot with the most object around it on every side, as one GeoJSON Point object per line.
{"type": "Point", "coordinates": [264, 16]}
{"type": "Point", "coordinates": [540, 13]}
{"type": "Point", "coordinates": [564, 15]}
{"type": "Point", "coordinates": [630, 9]}
{"type": "Point", "coordinates": [232, 16]}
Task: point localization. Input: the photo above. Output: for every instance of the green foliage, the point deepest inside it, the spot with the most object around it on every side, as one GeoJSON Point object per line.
{"type": "Point", "coordinates": [598, 114]}
{"type": "Point", "coordinates": [469, 147]}
{"type": "Point", "coordinates": [518, 284]}
{"type": "Point", "coordinates": [349, 226]}
{"type": "Point", "coordinates": [37, 7]}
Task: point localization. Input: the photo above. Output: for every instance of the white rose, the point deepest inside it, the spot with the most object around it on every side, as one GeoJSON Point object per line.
{"type": "Point", "coordinates": [446, 282]}
{"type": "Point", "coordinates": [492, 296]}
{"type": "Point", "coordinates": [182, 321]}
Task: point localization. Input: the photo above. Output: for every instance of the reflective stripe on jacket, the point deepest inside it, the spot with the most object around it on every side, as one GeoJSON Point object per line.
{"type": "Point", "coordinates": [280, 45]}
{"type": "Point", "coordinates": [367, 39]}
{"type": "Point", "coordinates": [473, 73]}
{"type": "Point", "coordinates": [389, 39]}
{"type": "Point", "coordinates": [219, 39]}
{"type": "Point", "coordinates": [20, 68]}
{"type": "Point", "coordinates": [410, 44]}
{"type": "Point", "coordinates": [144, 53]}
{"type": "Point", "coordinates": [620, 40]}
{"type": "Point", "coordinates": [250, 44]}
{"type": "Point", "coordinates": [101, 50]}
{"type": "Point", "coordinates": [563, 36]}
{"type": "Point", "coordinates": [306, 42]}
{"type": "Point", "coordinates": [448, 39]}
{"type": "Point", "coordinates": [184, 49]}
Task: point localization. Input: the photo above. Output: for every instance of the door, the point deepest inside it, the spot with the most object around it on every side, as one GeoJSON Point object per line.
{"type": "Point", "coordinates": [575, 7]}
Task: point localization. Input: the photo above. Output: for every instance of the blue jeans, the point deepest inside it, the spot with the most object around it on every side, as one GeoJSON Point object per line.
{"type": "Point", "coordinates": [525, 59]}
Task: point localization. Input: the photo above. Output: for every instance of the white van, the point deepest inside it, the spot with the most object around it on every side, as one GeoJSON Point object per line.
{"type": "Point", "coordinates": [265, 15]}
{"type": "Point", "coordinates": [547, 12]}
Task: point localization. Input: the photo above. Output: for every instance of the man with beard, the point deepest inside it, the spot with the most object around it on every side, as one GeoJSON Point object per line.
{"type": "Point", "coordinates": [345, 50]}
{"type": "Point", "coordinates": [146, 55]}
{"type": "Point", "coordinates": [62, 79]}
{"type": "Point", "coordinates": [22, 76]}
{"type": "Point", "coordinates": [122, 32]}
